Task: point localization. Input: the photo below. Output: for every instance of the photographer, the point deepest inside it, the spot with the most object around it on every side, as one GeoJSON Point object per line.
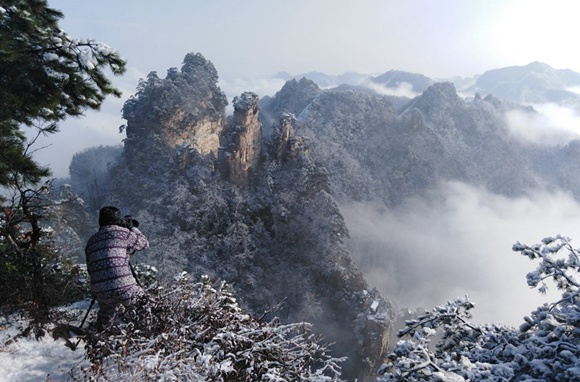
{"type": "Point", "coordinates": [107, 255]}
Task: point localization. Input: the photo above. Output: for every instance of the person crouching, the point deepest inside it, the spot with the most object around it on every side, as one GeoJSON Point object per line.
{"type": "Point", "coordinates": [107, 256]}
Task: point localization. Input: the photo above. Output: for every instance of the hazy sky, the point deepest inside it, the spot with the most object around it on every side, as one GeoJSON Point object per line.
{"type": "Point", "coordinates": [250, 41]}
{"type": "Point", "coordinates": [439, 38]}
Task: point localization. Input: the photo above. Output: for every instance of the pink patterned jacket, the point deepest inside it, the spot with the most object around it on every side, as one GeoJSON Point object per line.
{"type": "Point", "coordinates": [107, 255]}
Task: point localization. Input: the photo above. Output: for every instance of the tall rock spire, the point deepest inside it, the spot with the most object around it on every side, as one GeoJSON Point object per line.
{"type": "Point", "coordinates": [240, 150]}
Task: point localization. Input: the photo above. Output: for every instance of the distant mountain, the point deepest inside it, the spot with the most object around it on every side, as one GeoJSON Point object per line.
{"type": "Point", "coordinates": [394, 78]}
{"type": "Point", "coordinates": [327, 81]}
{"type": "Point", "coordinates": [533, 83]}
{"type": "Point", "coordinates": [283, 76]}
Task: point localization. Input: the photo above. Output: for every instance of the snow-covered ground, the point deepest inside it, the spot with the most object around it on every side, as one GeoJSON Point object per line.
{"type": "Point", "coordinates": [45, 359]}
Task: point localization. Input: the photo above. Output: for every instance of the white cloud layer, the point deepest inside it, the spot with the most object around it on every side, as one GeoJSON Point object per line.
{"type": "Point", "coordinates": [553, 125]}
{"type": "Point", "coordinates": [458, 242]}
{"type": "Point", "coordinates": [404, 89]}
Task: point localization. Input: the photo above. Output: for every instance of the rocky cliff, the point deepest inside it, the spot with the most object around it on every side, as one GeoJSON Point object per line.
{"type": "Point", "coordinates": [281, 138]}
{"type": "Point", "coordinates": [374, 152]}
{"type": "Point", "coordinates": [260, 216]}
{"type": "Point", "coordinates": [185, 109]}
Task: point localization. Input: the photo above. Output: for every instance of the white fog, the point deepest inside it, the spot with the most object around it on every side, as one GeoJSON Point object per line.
{"type": "Point", "coordinates": [428, 251]}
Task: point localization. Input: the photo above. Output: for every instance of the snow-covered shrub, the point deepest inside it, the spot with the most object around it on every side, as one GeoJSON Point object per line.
{"type": "Point", "coordinates": [197, 332]}
{"type": "Point", "coordinates": [544, 348]}
{"type": "Point", "coordinates": [147, 275]}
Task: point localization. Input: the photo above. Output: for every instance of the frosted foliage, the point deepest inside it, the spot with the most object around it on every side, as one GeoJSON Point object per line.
{"type": "Point", "coordinates": [544, 348]}
{"type": "Point", "coordinates": [198, 332]}
{"type": "Point", "coordinates": [48, 74]}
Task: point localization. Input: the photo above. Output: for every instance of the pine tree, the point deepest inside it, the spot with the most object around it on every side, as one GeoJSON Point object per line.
{"type": "Point", "coordinates": [45, 76]}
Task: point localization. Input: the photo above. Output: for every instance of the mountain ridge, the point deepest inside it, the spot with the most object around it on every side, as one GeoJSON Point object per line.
{"type": "Point", "coordinates": [535, 82]}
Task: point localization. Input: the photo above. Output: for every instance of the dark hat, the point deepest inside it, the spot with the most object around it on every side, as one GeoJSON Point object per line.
{"type": "Point", "coordinates": [109, 216]}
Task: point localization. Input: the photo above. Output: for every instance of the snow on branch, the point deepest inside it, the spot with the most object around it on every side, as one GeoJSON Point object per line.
{"type": "Point", "coordinates": [544, 348]}
{"type": "Point", "coordinates": [199, 332]}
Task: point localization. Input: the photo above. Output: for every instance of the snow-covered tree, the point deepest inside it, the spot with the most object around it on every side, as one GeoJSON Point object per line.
{"type": "Point", "coordinates": [46, 76]}
{"type": "Point", "coordinates": [546, 347]}
{"type": "Point", "coordinates": [197, 332]}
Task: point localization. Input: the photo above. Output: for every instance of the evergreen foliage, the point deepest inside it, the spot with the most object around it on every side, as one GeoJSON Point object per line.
{"type": "Point", "coordinates": [46, 76]}
{"type": "Point", "coordinates": [544, 348]}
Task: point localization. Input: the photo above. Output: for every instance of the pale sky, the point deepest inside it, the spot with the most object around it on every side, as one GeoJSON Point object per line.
{"type": "Point", "coordinates": [250, 41]}
{"type": "Point", "coordinates": [438, 38]}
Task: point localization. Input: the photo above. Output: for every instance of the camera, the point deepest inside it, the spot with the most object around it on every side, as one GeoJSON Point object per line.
{"type": "Point", "coordinates": [128, 222]}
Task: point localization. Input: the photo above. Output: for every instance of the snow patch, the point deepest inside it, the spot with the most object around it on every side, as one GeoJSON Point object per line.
{"type": "Point", "coordinates": [31, 360]}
